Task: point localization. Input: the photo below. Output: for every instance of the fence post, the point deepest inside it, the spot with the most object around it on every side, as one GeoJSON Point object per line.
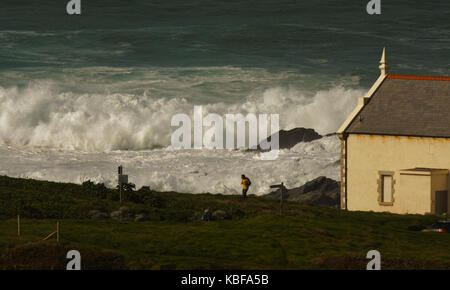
{"type": "Point", "coordinates": [18, 225]}
{"type": "Point", "coordinates": [57, 232]}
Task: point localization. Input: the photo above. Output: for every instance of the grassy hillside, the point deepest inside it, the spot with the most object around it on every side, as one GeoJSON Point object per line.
{"type": "Point", "coordinates": [253, 236]}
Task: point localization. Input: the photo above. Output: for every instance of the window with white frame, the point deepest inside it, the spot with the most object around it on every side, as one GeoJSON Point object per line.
{"type": "Point", "coordinates": [386, 188]}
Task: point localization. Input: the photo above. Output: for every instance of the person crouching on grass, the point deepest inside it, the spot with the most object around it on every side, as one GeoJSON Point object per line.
{"type": "Point", "coordinates": [245, 185]}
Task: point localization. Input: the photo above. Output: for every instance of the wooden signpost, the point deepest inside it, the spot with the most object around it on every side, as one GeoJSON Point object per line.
{"type": "Point", "coordinates": [18, 225]}
{"type": "Point", "coordinates": [121, 180]}
{"type": "Point", "coordinates": [281, 186]}
{"type": "Point", "coordinates": [57, 232]}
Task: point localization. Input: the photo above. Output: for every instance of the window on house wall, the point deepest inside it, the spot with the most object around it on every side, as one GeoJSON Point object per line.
{"type": "Point", "coordinates": [386, 188]}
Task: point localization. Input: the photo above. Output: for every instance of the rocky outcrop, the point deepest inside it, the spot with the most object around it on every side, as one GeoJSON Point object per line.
{"type": "Point", "coordinates": [96, 214]}
{"type": "Point", "coordinates": [290, 138]}
{"type": "Point", "coordinates": [220, 215]}
{"type": "Point", "coordinates": [124, 213]}
{"type": "Point", "coordinates": [140, 218]}
{"type": "Point", "coordinates": [320, 191]}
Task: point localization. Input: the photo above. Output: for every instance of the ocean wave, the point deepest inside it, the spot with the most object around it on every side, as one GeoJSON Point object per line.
{"type": "Point", "coordinates": [191, 171]}
{"type": "Point", "coordinates": [44, 116]}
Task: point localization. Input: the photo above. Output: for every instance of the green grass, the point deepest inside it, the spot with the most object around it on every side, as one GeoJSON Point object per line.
{"type": "Point", "coordinates": [305, 237]}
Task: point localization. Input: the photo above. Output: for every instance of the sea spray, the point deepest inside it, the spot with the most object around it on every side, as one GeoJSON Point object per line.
{"type": "Point", "coordinates": [192, 171]}
{"type": "Point", "coordinates": [43, 115]}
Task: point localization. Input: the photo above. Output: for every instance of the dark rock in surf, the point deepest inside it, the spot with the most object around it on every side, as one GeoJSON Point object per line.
{"type": "Point", "coordinates": [290, 138]}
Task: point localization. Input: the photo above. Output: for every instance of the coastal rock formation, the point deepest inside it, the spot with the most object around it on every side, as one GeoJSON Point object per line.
{"type": "Point", "coordinates": [320, 191]}
{"type": "Point", "coordinates": [289, 138]}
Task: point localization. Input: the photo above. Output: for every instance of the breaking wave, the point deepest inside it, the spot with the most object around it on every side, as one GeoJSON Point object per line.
{"type": "Point", "coordinates": [44, 115]}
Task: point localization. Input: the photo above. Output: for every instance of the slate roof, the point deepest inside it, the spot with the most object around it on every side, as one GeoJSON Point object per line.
{"type": "Point", "coordinates": [406, 106]}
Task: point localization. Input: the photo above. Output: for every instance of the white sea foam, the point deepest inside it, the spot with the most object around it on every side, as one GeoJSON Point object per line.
{"type": "Point", "coordinates": [44, 115]}
{"type": "Point", "coordinates": [193, 171]}
{"type": "Point", "coordinates": [51, 131]}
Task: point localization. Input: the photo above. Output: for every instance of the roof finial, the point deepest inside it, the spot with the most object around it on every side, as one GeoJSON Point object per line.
{"type": "Point", "coordinates": [383, 65]}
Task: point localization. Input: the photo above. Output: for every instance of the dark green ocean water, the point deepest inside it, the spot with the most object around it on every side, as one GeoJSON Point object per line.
{"type": "Point", "coordinates": [154, 58]}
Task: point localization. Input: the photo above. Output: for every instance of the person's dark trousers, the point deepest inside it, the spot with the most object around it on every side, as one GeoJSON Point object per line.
{"type": "Point", "coordinates": [244, 192]}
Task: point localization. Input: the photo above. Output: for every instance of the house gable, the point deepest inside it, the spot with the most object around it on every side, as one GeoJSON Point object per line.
{"type": "Point", "coordinates": [406, 106]}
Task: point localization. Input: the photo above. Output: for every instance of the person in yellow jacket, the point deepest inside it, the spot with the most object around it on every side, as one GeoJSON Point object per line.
{"type": "Point", "coordinates": [245, 185]}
